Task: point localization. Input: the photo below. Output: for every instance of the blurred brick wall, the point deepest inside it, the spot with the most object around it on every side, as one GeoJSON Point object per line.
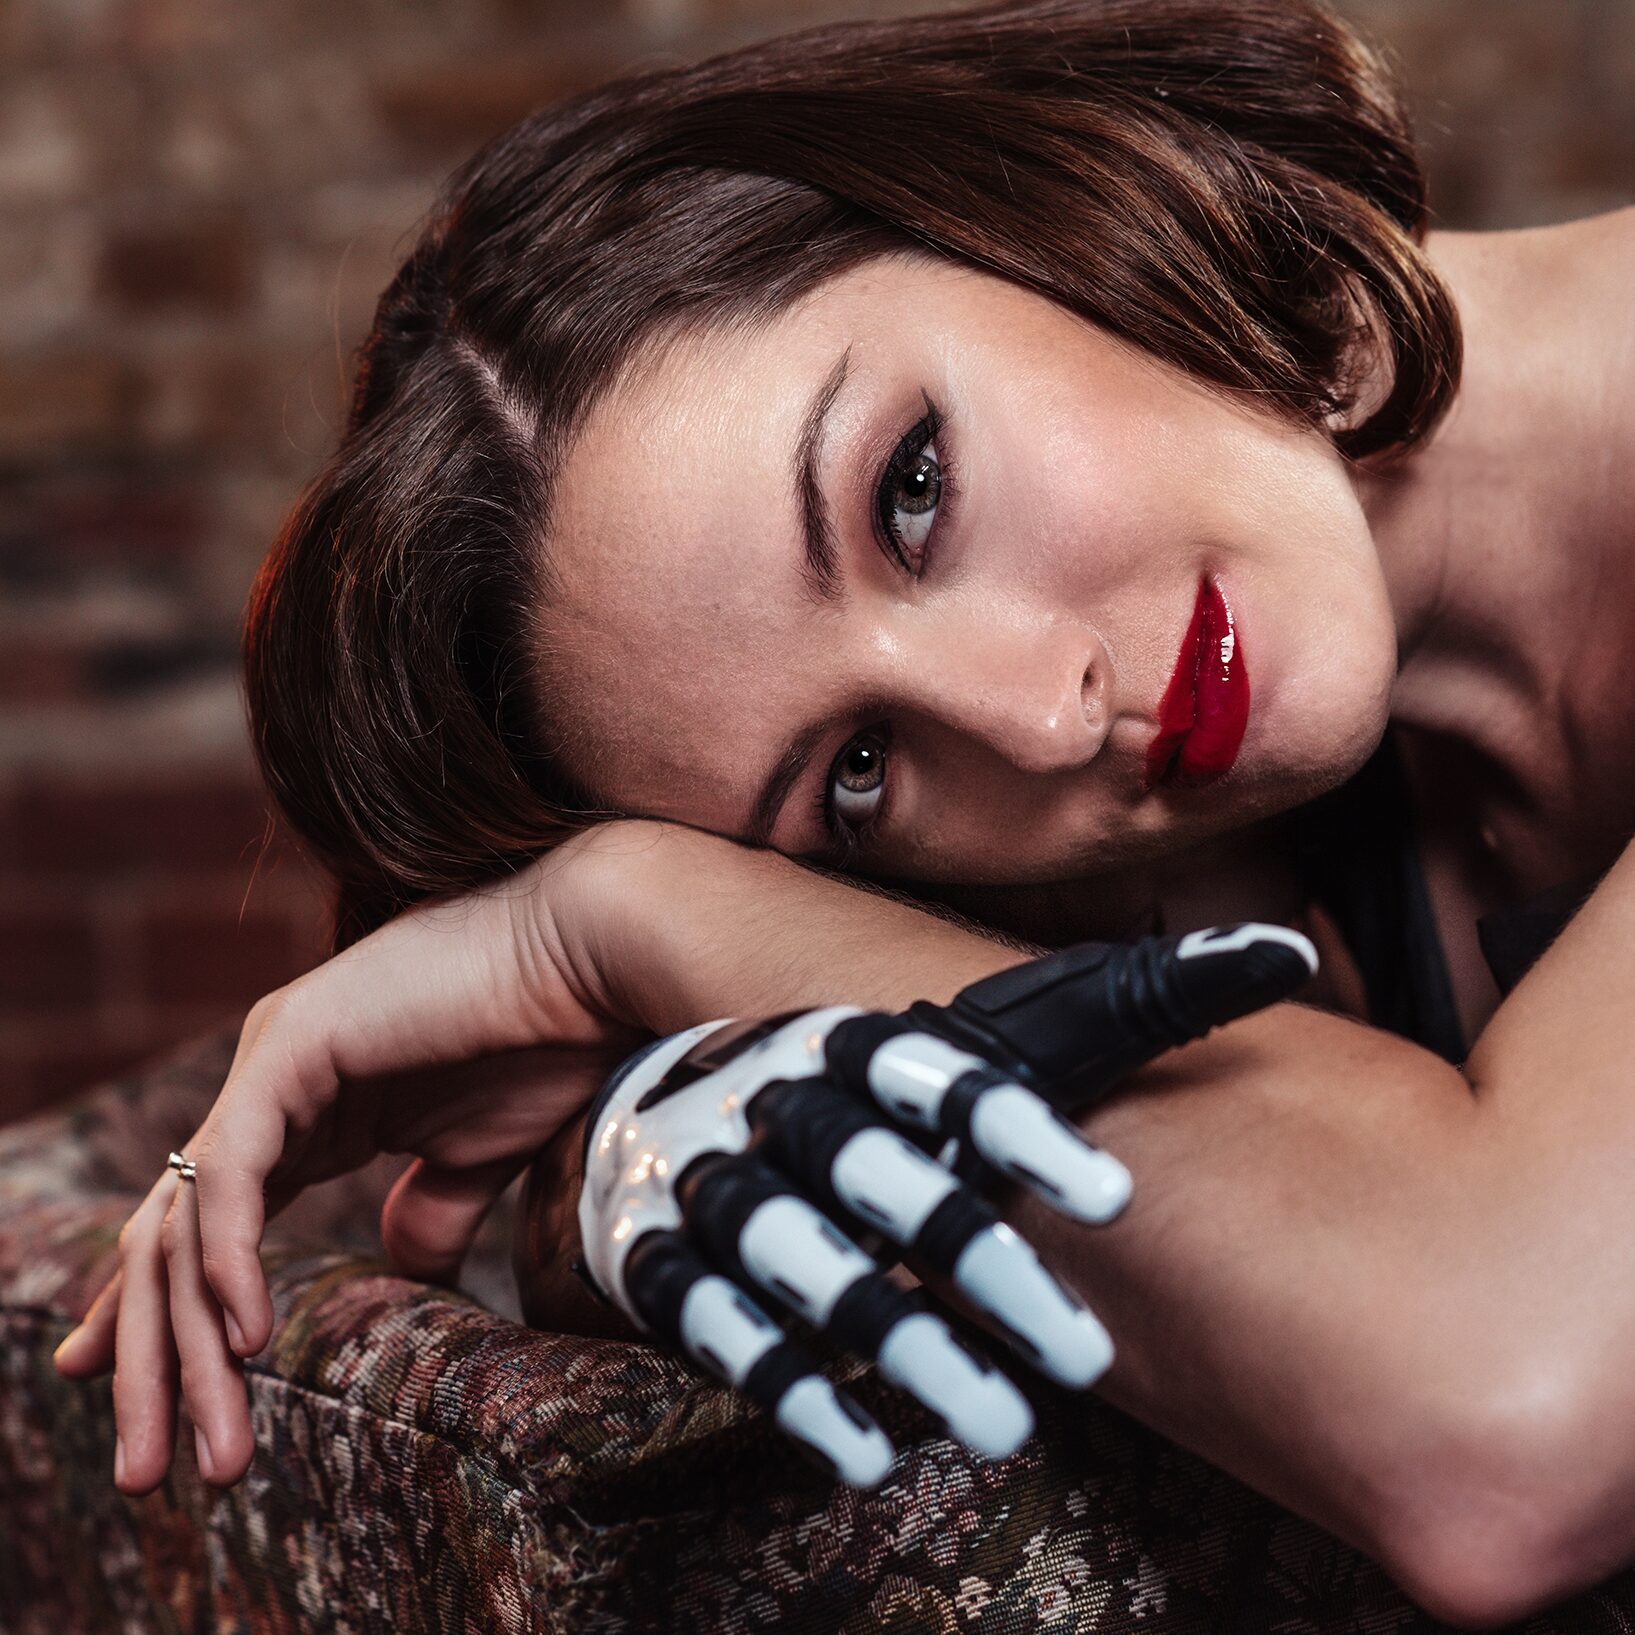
{"type": "Point", "coordinates": [198, 205]}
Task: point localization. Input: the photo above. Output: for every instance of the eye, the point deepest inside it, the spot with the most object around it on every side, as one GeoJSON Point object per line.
{"type": "Point", "coordinates": [854, 793]}
{"type": "Point", "coordinates": [911, 487]}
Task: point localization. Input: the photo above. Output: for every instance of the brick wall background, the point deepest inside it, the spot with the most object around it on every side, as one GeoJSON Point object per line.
{"type": "Point", "coordinates": [198, 205]}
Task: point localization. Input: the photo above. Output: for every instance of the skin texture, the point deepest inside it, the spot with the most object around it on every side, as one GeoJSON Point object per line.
{"type": "Point", "coordinates": [1021, 672]}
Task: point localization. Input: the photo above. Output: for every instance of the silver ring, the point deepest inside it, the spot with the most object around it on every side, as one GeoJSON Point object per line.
{"type": "Point", "coordinates": [184, 1167]}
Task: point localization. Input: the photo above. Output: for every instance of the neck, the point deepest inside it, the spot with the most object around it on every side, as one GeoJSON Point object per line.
{"type": "Point", "coordinates": [1491, 531]}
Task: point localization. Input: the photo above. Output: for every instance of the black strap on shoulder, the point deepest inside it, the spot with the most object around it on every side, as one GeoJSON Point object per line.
{"type": "Point", "coordinates": [1355, 853]}
{"type": "Point", "coordinates": [1514, 936]}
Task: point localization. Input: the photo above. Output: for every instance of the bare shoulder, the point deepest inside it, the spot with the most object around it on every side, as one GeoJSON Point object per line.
{"type": "Point", "coordinates": [1561, 260]}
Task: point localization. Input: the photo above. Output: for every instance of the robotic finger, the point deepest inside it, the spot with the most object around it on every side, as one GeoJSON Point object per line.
{"type": "Point", "coordinates": [1074, 1022]}
{"type": "Point", "coordinates": [679, 1299]}
{"type": "Point", "coordinates": [826, 1140]}
{"type": "Point", "coordinates": [756, 1227]}
{"type": "Point", "coordinates": [712, 1155]}
{"type": "Point", "coordinates": [934, 1086]}
{"type": "Point", "coordinates": [1070, 1025]}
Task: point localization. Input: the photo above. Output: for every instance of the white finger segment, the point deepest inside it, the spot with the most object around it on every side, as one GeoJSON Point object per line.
{"type": "Point", "coordinates": [811, 1410]}
{"type": "Point", "coordinates": [1002, 1276]}
{"type": "Point", "coordinates": [1212, 940]}
{"type": "Point", "coordinates": [889, 1182]}
{"type": "Point", "coordinates": [724, 1329]}
{"type": "Point", "coordinates": [980, 1407]}
{"type": "Point", "coordinates": [909, 1075]}
{"type": "Point", "coordinates": [787, 1246]}
{"type": "Point", "coordinates": [1020, 1135]}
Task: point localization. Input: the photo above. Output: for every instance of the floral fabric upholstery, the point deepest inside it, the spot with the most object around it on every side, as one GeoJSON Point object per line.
{"type": "Point", "coordinates": [425, 1463]}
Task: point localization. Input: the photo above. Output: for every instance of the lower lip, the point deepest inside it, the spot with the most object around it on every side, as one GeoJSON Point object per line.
{"type": "Point", "coordinates": [1205, 708]}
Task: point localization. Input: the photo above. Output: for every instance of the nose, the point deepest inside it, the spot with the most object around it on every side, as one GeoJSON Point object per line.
{"type": "Point", "coordinates": [1041, 698]}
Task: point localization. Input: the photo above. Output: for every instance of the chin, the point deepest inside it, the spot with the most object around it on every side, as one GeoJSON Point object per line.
{"type": "Point", "coordinates": [1261, 787]}
{"type": "Point", "coordinates": [1339, 757]}
{"type": "Point", "coordinates": [1320, 731]}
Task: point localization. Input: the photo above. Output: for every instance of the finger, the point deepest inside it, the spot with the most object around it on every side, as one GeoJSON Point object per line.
{"type": "Point", "coordinates": [999, 1273]}
{"type": "Point", "coordinates": [212, 1377]}
{"type": "Point", "coordinates": [1224, 971]}
{"type": "Point", "coordinates": [146, 1372]}
{"type": "Point", "coordinates": [762, 1232]}
{"type": "Point", "coordinates": [234, 1152]}
{"type": "Point", "coordinates": [88, 1349]}
{"type": "Point", "coordinates": [433, 1213]}
{"type": "Point", "coordinates": [710, 1318]}
{"type": "Point", "coordinates": [1024, 1137]}
{"type": "Point", "coordinates": [823, 1133]}
{"type": "Point", "coordinates": [934, 1086]}
{"type": "Point", "coordinates": [873, 1172]}
{"type": "Point", "coordinates": [902, 1068]}
{"type": "Point", "coordinates": [1076, 1021]}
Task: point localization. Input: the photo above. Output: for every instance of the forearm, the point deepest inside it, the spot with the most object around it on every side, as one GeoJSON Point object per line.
{"type": "Point", "coordinates": [1304, 1288]}
{"type": "Point", "coordinates": [1552, 1073]}
{"type": "Point", "coordinates": [1298, 1290]}
{"type": "Point", "coordinates": [699, 927]}
{"type": "Point", "coordinates": [691, 928]}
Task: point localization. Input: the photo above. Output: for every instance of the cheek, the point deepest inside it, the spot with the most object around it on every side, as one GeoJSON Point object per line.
{"type": "Point", "coordinates": [1059, 468]}
{"type": "Point", "coordinates": [980, 820]}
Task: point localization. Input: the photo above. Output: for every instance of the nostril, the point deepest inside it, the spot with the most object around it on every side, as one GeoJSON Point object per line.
{"type": "Point", "coordinates": [1091, 689]}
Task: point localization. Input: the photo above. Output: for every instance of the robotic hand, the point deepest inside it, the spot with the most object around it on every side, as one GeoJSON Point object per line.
{"type": "Point", "coordinates": [792, 1158]}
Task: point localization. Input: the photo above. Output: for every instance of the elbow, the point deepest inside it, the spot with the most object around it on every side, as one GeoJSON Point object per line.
{"type": "Point", "coordinates": [1466, 1577]}
{"type": "Point", "coordinates": [1510, 1509]}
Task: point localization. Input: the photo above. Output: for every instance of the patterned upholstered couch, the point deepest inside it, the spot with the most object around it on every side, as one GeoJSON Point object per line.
{"type": "Point", "coordinates": [426, 1463]}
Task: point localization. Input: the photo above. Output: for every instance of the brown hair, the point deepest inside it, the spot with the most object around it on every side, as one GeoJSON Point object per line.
{"type": "Point", "coordinates": [1231, 185]}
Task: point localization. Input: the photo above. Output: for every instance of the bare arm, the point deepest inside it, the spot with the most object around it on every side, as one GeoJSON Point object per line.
{"type": "Point", "coordinates": [1331, 1278]}
{"type": "Point", "coordinates": [1444, 1262]}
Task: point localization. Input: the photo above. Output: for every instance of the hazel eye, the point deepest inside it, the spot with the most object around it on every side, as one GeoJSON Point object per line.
{"type": "Point", "coordinates": [914, 493]}
{"type": "Point", "coordinates": [858, 780]}
{"type": "Point", "coordinates": [915, 483]}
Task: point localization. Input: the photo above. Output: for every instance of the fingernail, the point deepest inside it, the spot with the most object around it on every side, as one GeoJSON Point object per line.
{"type": "Point", "coordinates": [119, 1459]}
{"type": "Point", "coordinates": [201, 1449]}
{"type": "Point", "coordinates": [65, 1344]}
{"type": "Point", "coordinates": [235, 1335]}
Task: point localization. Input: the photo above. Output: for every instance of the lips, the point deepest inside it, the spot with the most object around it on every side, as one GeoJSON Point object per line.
{"type": "Point", "coordinates": [1205, 707]}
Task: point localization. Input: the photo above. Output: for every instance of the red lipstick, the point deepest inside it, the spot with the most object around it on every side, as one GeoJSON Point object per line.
{"type": "Point", "coordinates": [1205, 708]}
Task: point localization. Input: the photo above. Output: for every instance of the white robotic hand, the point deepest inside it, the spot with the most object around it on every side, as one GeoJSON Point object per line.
{"type": "Point", "coordinates": [740, 1161]}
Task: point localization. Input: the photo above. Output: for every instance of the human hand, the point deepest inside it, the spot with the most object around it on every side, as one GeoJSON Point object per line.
{"type": "Point", "coordinates": [733, 1159]}
{"type": "Point", "coordinates": [466, 1031]}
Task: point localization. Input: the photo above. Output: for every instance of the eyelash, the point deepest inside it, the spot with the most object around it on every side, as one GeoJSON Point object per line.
{"type": "Point", "coordinates": [848, 840]}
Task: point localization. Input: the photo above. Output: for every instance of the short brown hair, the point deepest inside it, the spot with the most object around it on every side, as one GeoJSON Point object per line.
{"type": "Point", "coordinates": [1231, 185]}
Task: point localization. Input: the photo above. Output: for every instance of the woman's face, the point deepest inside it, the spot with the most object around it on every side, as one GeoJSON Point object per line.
{"type": "Point", "coordinates": [975, 695]}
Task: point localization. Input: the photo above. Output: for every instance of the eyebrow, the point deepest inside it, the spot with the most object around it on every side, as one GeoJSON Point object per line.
{"type": "Point", "coordinates": [820, 571]}
{"type": "Point", "coordinates": [822, 566]}
{"type": "Point", "coordinates": [784, 776]}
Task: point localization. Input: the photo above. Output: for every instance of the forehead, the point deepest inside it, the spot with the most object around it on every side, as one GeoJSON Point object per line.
{"type": "Point", "coordinates": [681, 649]}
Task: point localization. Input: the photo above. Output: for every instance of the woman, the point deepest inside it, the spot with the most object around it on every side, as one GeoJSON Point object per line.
{"type": "Point", "coordinates": [822, 453]}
